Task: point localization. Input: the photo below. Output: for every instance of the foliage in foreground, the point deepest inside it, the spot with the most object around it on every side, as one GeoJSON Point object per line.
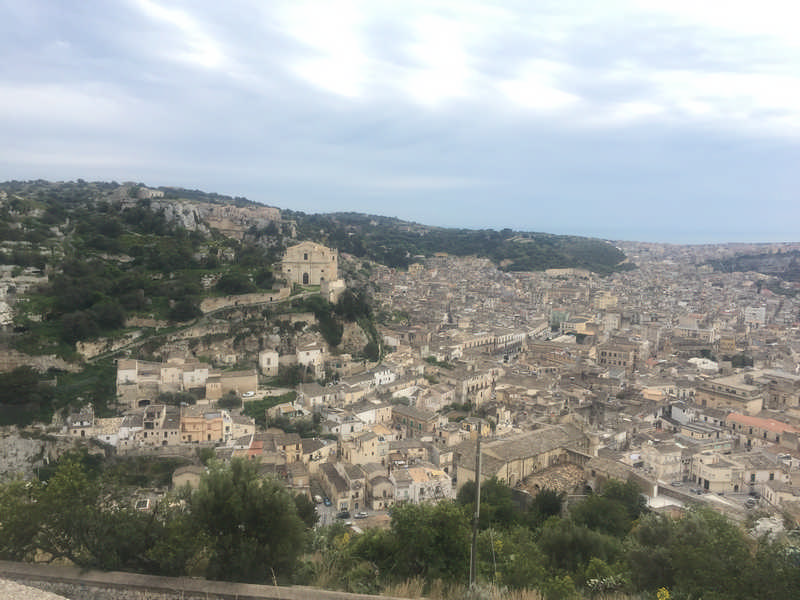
{"type": "Point", "coordinates": [241, 527]}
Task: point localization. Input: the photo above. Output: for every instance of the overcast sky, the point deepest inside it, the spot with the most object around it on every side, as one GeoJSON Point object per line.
{"type": "Point", "coordinates": [665, 120]}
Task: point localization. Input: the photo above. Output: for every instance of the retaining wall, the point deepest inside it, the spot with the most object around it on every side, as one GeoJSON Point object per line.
{"type": "Point", "coordinates": [77, 584]}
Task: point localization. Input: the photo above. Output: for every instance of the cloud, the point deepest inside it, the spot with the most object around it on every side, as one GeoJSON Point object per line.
{"type": "Point", "coordinates": [549, 113]}
{"type": "Point", "coordinates": [197, 47]}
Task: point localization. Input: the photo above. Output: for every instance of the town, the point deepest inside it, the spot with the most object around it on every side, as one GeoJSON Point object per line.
{"type": "Point", "coordinates": [194, 385]}
{"type": "Point", "coordinates": [680, 378]}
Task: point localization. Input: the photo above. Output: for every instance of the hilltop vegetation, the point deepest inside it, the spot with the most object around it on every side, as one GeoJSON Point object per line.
{"type": "Point", "coordinates": [784, 265]}
{"type": "Point", "coordinates": [106, 262]}
{"type": "Point", "coordinates": [108, 256]}
{"type": "Point", "coordinates": [397, 243]}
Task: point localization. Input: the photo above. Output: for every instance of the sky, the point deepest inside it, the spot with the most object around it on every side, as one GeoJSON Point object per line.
{"type": "Point", "coordinates": [670, 121]}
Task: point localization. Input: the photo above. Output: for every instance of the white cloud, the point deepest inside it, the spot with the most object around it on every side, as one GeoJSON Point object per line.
{"type": "Point", "coordinates": [536, 87]}
{"type": "Point", "coordinates": [76, 107]}
{"type": "Point", "coordinates": [200, 49]}
{"type": "Point", "coordinates": [335, 60]}
{"type": "Point", "coordinates": [442, 63]}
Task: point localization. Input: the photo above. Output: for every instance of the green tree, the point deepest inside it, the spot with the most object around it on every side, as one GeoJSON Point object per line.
{"type": "Point", "coordinates": [520, 563]}
{"type": "Point", "coordinates": [230, 400]}
{"type": "Point", "coordinates": [603, 515]}
{"type": "Point", "coordinates": [774, 572]}
{"type": "Point", "coordinates": [67, 506]}
{"type": "Point", "coordinates": [179, 547]}
{"type": "Point", "coordinates": [433, 541]}
{"type": "Point", "coordinates": [184, 310]}
{"type": "Point", "coordinates": [306, 510]}
{"type": "Point", "coordinates": [497, 508]}
{"type": "Point", "coordinates": [19, 520]}
{"type": "Point", "coordinates": [372, 351]}
{"type": "Point", "coordinates": [547, 503]}
{"type": "Point", "coordinates": [648, 553]}
{"type": "Point", "coordinates": [628, 494]}
{"type": "Point", "coordinates": [569, 547]}
{"type": "Point", "coordinates": [710, 555]}
{"type": "Point", "coordinates": [252, 523]}
{"type": "Point", "coordinates": [235, 282]}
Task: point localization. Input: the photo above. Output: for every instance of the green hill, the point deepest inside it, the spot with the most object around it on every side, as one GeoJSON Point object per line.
{"type": "Point", "coordinates": [103, 253]}
{"type": "Point", "coordinates": [397, 243]}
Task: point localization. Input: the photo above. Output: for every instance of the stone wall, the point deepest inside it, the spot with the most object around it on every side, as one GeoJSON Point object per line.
{"type": "Point", "coordinates": [10, 359]}
{"type": "Point", "coordinates": [77, 584]}
{"type": "Point", "coordinates": [211, 304]}
{"type": "Point", "coordinates": [92, 349]}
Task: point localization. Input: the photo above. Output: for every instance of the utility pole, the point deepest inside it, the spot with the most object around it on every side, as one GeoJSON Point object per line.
{"type": "Point", "coordinates": [473, 557]}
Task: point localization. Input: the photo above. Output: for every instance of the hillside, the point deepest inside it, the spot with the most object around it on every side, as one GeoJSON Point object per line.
{"type": "Point", "coordinates": [398, 243]}
{"type": "Point", "coordinates": [784, 265]}
{"type": "Point", "coordinates": [82, 259]}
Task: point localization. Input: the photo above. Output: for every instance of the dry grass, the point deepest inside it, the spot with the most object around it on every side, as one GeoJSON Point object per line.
{"type": "Point", "coordinates": [415, 588]}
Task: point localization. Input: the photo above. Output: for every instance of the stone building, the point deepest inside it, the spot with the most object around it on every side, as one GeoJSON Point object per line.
{"type": "Point", "coordinates": [308, 263]}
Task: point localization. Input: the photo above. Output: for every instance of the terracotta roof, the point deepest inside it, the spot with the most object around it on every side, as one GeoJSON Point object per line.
{"type": "Point", "coordinates": [765, 424]}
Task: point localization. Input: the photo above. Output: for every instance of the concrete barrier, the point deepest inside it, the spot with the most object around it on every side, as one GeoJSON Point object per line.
{"type": "Point", "coordinates": [73, 582]}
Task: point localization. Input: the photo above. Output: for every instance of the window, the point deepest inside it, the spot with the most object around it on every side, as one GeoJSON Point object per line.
{"type": "Point", "coordinates": [305, 255]}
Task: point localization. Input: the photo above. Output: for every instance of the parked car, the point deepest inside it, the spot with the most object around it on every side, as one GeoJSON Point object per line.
{"type": "Point", "coordinates": [361, 515]}
{"type": "Point", "coordinates": [326, 501]}
{"type": "Point", "coordinates": [344, 514]}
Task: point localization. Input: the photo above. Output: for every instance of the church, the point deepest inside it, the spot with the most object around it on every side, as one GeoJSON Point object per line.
{"type": "Point", "coordinates": [308, 263]}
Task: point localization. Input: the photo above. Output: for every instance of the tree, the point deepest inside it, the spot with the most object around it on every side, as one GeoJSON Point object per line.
{"type": "Point", "coordinates": [648, 554]}
{"type": "Point", "coordinates": [252, 523]}
{"type": "Point", "coordinates": [547, 503]}
{"type": "Point", "coordinates": [603, 515]}
{"type": "Point", "coordinates": [306, 510]}
{"type": "Point", "coordinates": [497, 508]}
{"type": "Point", "coordinates": [230, 400]}
{"type": "Point", "coordinates": [184, 310]}
{"type": "Point", "coordinates": [372, 351]}
{"type": "Point", "coordinates": [570, 547]}
{"type": "Point", "coordinates": [67, 506]}
{"type": "Point", "coordinates": [519, 562]}
{"type": "Point", "coordinates": [628, 494]}
{"type": "Point", "coordinates": [235, 282]}
{"type": "Point", "coordinates": [19, 521]}
{"type": "Point", "coordinates": [432, 540]}
{"type": "Point", "coordinates": [710, 555]}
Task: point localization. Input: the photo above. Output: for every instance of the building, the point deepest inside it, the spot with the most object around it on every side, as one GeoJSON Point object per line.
{"type": "Point", "coordinates": [199, 424]}
{"type": "Point", "coordinates": [755, 316]}
{"type": "Point", "coordinates": [414, 422]}
{"type": "Point", "coordinates": [268, 362]}
{"type": "Point", "coordinates": [421, 483]}
{"type": "Point", "coordinates": [513, 458]}
{"type": "Point", "coordinates": [736, 392]}
{"type": "Point", "coordinates": [755, 431]}
{"type": "Point", "coordinates": [308, 263]}
{"type": "Point", "coordinates": [617, 354]}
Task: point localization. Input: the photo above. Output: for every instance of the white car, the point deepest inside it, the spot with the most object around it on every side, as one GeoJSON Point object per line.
{"type": "Point", "coordinates": [248, 394]}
